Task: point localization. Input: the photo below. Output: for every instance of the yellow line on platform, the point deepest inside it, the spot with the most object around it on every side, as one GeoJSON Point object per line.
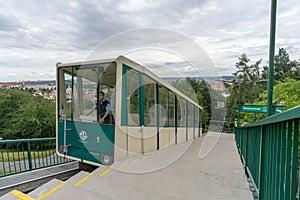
{"type": "Point", "coordinates": [133, 162]}
{"type": "Point", "coordinates": [123, 165]}
{"type": "Point", "coordinates": [21, 195]}
{"type": "Point", "coordinates": [84, 179]}
{"type": "Point", "coordinates": [152, 155]}
{"type": "Point", "coordinates": [106, 171]}
{"type": "Point", "coordinates": [51, 191]}
{"type": "Point", "coordinates": [144, 158]}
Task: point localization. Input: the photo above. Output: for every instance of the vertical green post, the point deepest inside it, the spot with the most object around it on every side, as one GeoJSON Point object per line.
{"type": "Point", "coordinates": [294, 159]}
{"type": "Point", "coordinates": [141, 99]}
{"type": "Point", "coordinates": [157, 115]}
{"type": "Point", "coordinates": [176, 117]}
{"type": "Point", "coordinates": [271, 56]}
{"type": "Point", "coordinates": [124, 109]}
{"type": "Point", "coordinates": [29, 156]}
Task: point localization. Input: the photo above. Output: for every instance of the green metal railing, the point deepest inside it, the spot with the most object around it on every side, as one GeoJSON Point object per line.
{"type": "Point", "coordinates": [22, 155]}
{"type": "Point", "coordinates": [269, 150]}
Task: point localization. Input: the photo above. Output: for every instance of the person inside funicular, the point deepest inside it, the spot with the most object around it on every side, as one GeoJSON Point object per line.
{"type": "Point", "coordinates": [105, 111]}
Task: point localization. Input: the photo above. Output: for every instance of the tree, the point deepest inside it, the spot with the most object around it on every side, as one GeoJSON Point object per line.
{"type": "Point", "coordinates": [23, 115]}
{"type": "Point", "coordinates": [247, 76]}
{"type": "Point", "coordinates": [265, 72]}
{"type": "Point", "coordinates": [283, 67]}
{"type": "Point", "coordinates": [245, 72]}
{"type": "Point", "coordinates": [245, 86]}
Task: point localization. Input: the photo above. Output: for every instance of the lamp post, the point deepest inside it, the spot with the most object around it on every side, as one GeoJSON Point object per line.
{"type": "Point", "coordinates": [271, 56]}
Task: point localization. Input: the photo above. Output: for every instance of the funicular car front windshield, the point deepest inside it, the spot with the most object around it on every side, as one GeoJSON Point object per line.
{"type": "Point", "coordinates": [81, 87]}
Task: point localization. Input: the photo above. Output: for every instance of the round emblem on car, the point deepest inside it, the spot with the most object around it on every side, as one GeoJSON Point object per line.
{"type": "Point", "coordinates": [83, 135]}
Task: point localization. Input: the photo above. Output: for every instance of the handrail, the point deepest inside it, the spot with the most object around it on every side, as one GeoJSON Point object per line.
{"type": "Point", "coordinates": [269, 151]}
{"type": "Point", "coordinates": [26, 140]}
{"type": "Point", "coordinates": [284, 116]}
{"type": "Point", "coordinates": [23, 155]}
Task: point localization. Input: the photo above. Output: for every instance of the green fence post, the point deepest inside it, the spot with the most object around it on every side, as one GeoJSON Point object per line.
{"type": "Point", "coordinates": [288, 160]}
{"type": "Point", "coordinates": [263, 163]}
{"type": "Point", "coordinates": [295, 160]}
{"type": "Point", "coordinates": [29, 156]}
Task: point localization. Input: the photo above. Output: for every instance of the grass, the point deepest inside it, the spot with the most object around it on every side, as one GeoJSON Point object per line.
{"type": "Point", "coordinates": [6, 172]}
{"type": "Point", "coordinates": [23, 155]}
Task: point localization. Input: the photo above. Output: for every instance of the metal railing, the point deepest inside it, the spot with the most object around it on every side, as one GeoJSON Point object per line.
{"type": "Point", "coordinates": [269, 151]}
{"type": "Point", "coordinates": [23, 155]}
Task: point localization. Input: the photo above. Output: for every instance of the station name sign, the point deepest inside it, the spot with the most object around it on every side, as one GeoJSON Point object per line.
{"type": "Point", "coordinates": [258, 108]}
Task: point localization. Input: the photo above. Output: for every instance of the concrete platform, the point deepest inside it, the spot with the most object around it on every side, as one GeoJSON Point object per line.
{"type": "Point", "coordinates": [207, 168]}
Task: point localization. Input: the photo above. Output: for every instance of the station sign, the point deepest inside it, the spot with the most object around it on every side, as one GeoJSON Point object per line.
{"type": "Point", "coordinates": [259, 108]}
{"type": "Point", "coordinates": [254, 108]}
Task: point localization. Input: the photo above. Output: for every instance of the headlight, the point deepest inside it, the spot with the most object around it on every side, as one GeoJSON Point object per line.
{"type": "Point", "coordinates": [106, 159]}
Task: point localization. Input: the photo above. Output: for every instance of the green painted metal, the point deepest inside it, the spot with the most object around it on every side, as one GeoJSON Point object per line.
{"type": "Point", "coordinates": [288, 157]}
{"type": "Point", "coordinates": [254, 108]}
{"type": "Point", "coordinates": [99, 140]}
{"type": "Point", "coordinates": [259, 109]}
{"type": "Point", "coordinates": [269, 150]}
{"type": "Point", "coordinates": [176, 117]}
{"type": "Point", "coordinates": [271, 56]}
{"type": "Point", "coordinates": [23, 155]}
{"type": "Point", "coordinates": [141, 99]}
{"type": "Point", "coordinates": [287, 115]}
{"type": "Point", "coordinates": [169, 110]}
{"type": "Point", "coordinates": [295, 158]}
{"type": "Point", "coordinates": [124, 107]}
{"type": "Point", "coordinates": [158, 114]}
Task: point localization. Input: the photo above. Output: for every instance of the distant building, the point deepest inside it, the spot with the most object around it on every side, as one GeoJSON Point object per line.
{"type": "Point", "coordinates": [19, 84]}
{"type": "Point", "coordinates": [47, 89]}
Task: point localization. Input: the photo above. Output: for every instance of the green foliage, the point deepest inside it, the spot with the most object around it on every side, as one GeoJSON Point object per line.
{"type": "Point", "coordinates": [284, 67]}
{"type": "Point", "coordinates": [23, 115]}
{"type": "Point", "coordinates": [246, 72]}
{"type": "Point", "coordinates": [203, 94]}
{"type": "Point", "coordinates": [186, 88]}
{"type": "Point", "coordinates": [287, 92]}
{"type": "Point", "coordinates": [245, 87]}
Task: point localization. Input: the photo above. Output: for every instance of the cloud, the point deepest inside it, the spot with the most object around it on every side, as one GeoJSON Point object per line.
{"type": "Point", "coordinates": [37, 35]}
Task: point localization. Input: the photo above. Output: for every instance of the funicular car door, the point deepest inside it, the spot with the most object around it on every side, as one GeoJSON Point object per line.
{"type": "Point", "coordinates": [131, 118]}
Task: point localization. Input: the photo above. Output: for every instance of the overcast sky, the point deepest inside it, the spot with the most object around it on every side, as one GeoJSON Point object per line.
{"type": "Point", "coordinates": [168, 35]}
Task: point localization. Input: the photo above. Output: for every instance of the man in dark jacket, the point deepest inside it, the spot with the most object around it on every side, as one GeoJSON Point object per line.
{"type": "Point", "coordinates": [105, 115]}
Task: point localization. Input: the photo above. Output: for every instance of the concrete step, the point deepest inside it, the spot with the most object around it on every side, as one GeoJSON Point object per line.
{"type": "Point", "coordinates": [30, 180]}
{"type": "Point", "coordinates": [42, 190]}
{"type": "Point", "coordinates": [56, 189]}
{"type": "Point", "coordinates": [16, 195]}
{"type": "Point", "coordinates": [69, 191]}
{"type": "Point", "coordinates": [79, 177]}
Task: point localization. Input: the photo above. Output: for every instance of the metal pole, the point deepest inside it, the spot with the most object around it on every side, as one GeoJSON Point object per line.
{"type": "Point", "coordinates": [271, 56]}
